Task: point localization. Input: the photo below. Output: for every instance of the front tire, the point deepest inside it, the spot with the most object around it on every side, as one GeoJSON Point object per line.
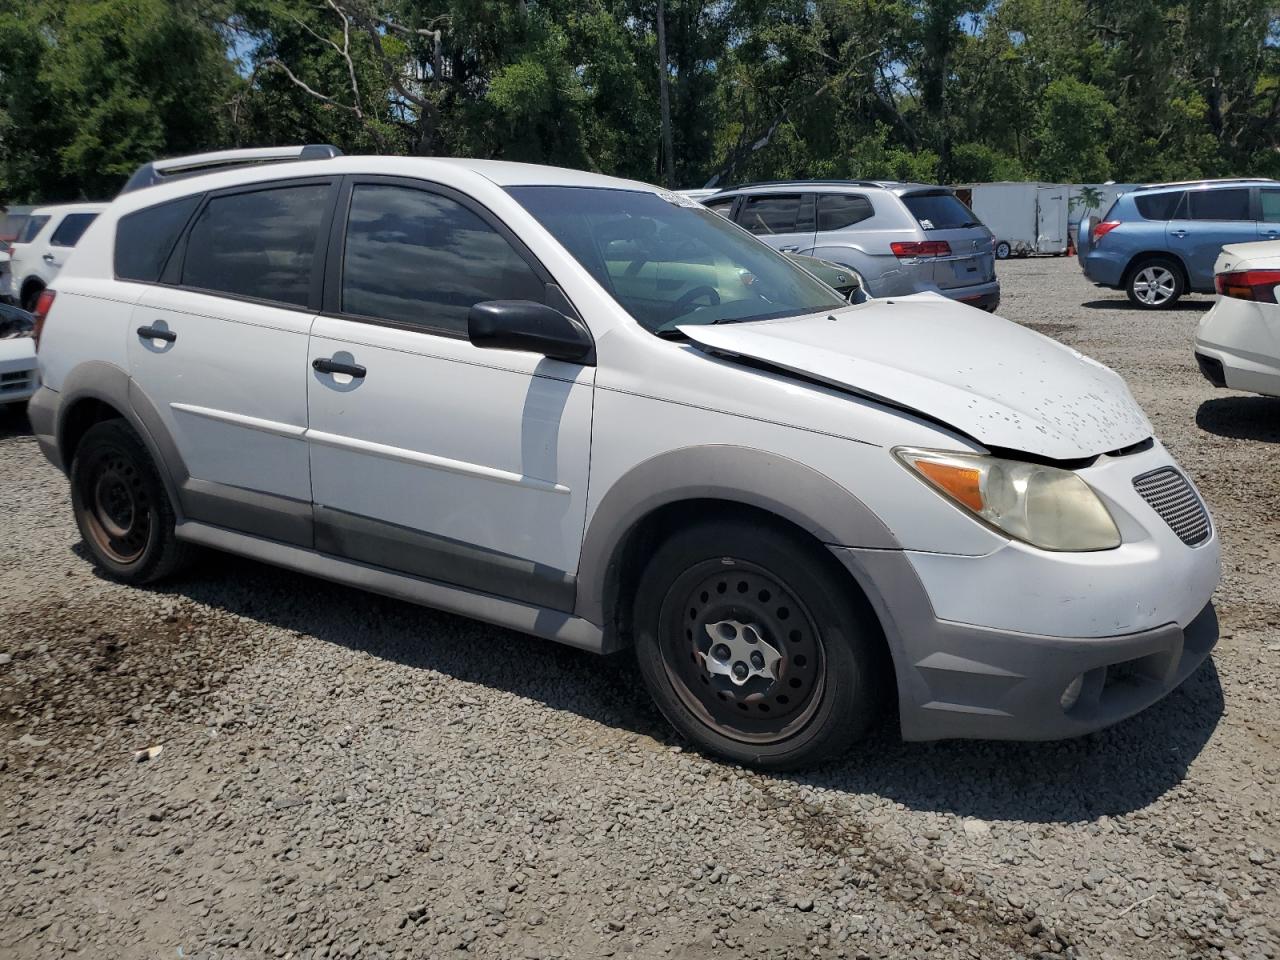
{"type": "Point", "coordinates": [121, 506]}
{"type": "Point", "coordinates": [1155, 284]}
{"type": "Point", "coordinates": [749, 643]}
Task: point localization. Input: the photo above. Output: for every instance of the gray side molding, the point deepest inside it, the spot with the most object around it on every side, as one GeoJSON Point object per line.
{"type": "Point", "coordinates": [112, 385]}
{"type": "Point", "coordinates": [757, 478]}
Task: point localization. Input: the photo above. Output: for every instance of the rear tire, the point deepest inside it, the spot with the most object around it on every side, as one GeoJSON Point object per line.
{"type": "Point", "coordinates": [751, 647]}
{"type": "Point", "coordinates": [1155, 284]}
{"type": "Point", "coordinates": [121, 506]}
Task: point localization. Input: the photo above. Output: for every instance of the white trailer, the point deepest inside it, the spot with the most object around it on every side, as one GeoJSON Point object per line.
{"type": "Point", "coordinates": [1024, 218]}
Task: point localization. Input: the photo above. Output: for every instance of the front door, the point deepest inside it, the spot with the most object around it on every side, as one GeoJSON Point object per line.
{"type": "Point", "coordinates": [220, 350]}
{"type": "Point", "coordinates": [1206, 220]}
{"type": "Point", "coordinates": [428, 455]}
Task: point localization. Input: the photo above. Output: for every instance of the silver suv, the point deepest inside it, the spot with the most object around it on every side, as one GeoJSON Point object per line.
{"type": "Point", "coordinates": [901, 237]}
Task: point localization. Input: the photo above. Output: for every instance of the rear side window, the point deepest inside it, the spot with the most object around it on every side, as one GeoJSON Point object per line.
{"type": "Point", "coordinates": [1271, 206]}
{"type": "Point", "coordinates": [1219, 204]}
{"type": "Point", "coordinates": [777, 213]}
{"type": "Point", "coordinates": [260, 245]}
{"type": "Point", "coordinates": [71, 229]}
{"type": "Point", "coordinates": [32, 229]}
{"type": "Point", "coordinates": [417, 258]}
{"type": "Point", "coordinates": [839, 210]}
{"type": "Point", "coordinates": [1157, 206]}
{"type": "Point", "coordinates": [939, 211]}
{"type": "Point", "coordinates": [11, 225]}
{"type": "Point", "coordinates": [145, 237]}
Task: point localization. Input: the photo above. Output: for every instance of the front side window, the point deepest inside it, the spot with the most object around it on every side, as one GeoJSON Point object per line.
{"type": "Point", "coordinates": [32, 229]}
{"type": "Point", "coordinates": [418, 258]}
{"type": "Point", "coordinates": [722, 206]}
{"type": "Point", "coordinates": [667, 262]}
{"type": "Point", "coordinates": [260, 245]}
{"type": "Point", "coordinates": [1271, 206]}
{"type": "Point", "coordinates": [71, 229]}
{"type": "Point", "coordinates": [839, 210]}
{"type": "Point", "coordinates": [1219, 204]}
{"type": "Point", "coordinates": [772, 213]}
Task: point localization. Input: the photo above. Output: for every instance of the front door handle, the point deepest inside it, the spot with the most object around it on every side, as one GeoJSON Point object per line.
{"type": "Point", "coordinates": [48, 258]}
{"type": "Point", "coordinates": [157, 333]}
{"type": "Point", "coordinates": [792, 249]}
{"type": "Point", "coordinates": [323, 365]}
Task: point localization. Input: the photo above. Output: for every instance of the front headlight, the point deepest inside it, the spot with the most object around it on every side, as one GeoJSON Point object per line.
{"type": "Point", "coordinates": [1049, 508]}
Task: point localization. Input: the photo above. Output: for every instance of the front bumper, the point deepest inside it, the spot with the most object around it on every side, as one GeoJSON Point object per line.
{"type": "Point", "coordinates": [959, 681]}
{"type": "Point", "coordinates": [19, 374]}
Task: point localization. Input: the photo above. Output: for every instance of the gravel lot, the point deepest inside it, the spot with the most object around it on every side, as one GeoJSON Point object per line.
{"type": "Point", "coordinates": [348, 776]}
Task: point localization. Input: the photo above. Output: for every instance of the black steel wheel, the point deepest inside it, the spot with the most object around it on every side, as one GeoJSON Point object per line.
{"type": "Point", "coordinates": [121, 506]}
{"type": "Point", "coordinates": [749, 643]}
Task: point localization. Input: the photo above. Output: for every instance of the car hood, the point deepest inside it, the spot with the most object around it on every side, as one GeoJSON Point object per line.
{"type": "Point", "coordinates": [993, 380]}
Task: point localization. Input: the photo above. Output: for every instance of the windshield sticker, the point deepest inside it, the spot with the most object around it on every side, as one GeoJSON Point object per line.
{"type": "Point", "coordinates": [678, 199]}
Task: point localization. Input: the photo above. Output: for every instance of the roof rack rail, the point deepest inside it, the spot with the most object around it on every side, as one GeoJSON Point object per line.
{"type": "Point", "coordinates": [1205, 180]}
{"type": "Point", "coordinates": [799, 183]}
{"type": "Point", "coordinates": [159, 171]}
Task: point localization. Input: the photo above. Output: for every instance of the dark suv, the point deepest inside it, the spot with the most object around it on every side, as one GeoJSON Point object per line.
{"type": "Point", "coordinates": [1158, 242]}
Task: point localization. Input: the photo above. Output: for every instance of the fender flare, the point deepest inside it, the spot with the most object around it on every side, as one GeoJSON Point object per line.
{"type": "Point", "coordinates": [744, 475]}
{"type": "Point", "coordinates": [109, 384]}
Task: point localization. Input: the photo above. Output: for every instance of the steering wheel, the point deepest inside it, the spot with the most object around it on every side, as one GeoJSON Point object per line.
{"type": "Point", "coordinates": [683, 305]}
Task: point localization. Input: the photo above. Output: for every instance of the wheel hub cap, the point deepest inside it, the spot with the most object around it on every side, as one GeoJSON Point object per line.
{"type": "Point", "coordinates": [739, 651]}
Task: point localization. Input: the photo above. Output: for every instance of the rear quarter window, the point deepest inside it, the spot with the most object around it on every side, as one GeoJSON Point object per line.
{"type": "Point", "coordinates": [1157, 206]}
{"type": "Point", "coordinates": [71, 229]}
{"type": "Point", "coordinates": [939, 211]}
{"type": "Point", "coordinates": [32, 229]}
{"type": "Point", "coordinates": [145, 238]}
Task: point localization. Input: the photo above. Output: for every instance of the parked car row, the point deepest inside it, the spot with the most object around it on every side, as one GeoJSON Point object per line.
{"type": "Point", "coordinates": [593, 410]}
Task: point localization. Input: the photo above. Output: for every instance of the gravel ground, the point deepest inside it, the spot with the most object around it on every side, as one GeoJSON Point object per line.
{"type": "Point", "coordinates": [347, 776]}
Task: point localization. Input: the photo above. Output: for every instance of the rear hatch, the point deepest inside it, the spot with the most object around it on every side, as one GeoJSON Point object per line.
{"type": "Point", "coordinates": [942, 216]}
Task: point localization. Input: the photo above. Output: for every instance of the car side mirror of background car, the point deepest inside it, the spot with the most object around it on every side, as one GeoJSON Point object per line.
{"type": "Point", "coordinates": [531, 327]}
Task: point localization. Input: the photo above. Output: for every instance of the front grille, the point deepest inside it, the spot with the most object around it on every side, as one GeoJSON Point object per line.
{"type": "Point", "coordinates": [1171, 496]}
{"type": "Point", "coordinates": [15, 381]}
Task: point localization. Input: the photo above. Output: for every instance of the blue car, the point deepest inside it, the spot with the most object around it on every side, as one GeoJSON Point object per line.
{"type": "Point", "coordinates": [1159, 242]}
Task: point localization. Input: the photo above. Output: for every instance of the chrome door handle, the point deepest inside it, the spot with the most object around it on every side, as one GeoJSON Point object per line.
{"type": "Point", "coordinates": [157, 333]}
{"type": "Point", "coordinates": [1179, 234]}
{"type": "Point", "coordinates": [789, 249]}
{"type": "Point", "coordinates": [48, 258]}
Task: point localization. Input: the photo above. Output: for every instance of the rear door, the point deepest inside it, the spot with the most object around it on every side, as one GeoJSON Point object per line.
{"type": "Point", "coordinates": [1206, 220]}
{"type": "Point", "coordinates": [943, 217]}
{"type": "Point", "coordinates": [219, 349]}
{"type": "Point", "coordinates": [785, 221]}
{"type": "Point", "coordinates": [1269, 213]}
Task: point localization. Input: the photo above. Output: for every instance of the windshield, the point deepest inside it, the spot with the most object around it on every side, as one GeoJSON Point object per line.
{"type": "Point", "coordinates": [667, 263]}
{"type": "Point", "coordinates": [939, 211]}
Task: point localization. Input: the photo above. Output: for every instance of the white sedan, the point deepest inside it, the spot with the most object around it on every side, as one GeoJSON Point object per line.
{"type": "Point", "coordinates": [1238, 341]}
{"type": "Point", "coordinates": [18, 379]}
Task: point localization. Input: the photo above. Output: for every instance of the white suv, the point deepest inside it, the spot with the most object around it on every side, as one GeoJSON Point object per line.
{"type": "Point", "coordinates": [592, 410]}
{"type": "Point", "coordinates": [46, 241]}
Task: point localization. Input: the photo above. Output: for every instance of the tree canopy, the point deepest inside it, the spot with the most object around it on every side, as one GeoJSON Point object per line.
{"type": "Point", "coordinates": [939, 90]}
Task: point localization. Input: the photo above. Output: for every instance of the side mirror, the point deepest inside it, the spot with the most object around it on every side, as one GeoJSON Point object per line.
{"type": "Point", "coordinates": [531, 327]}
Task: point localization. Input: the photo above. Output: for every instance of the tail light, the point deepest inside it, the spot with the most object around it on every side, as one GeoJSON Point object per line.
{"type": "Point", "coordinates": [43, 303]}
{"type": "Point", "coordinates": [921, 248]}
{"type": "Point", "coordinates": [1102, 228]}
{"type": "Point", "coordinates": [1258, 285]}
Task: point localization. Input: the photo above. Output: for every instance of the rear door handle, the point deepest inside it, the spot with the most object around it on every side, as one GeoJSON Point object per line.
{"type": "Point", "coordinates": [789, 249]}
{"type": "Point", "coordinates": [156, 333]}
{"type": "Point", "coordinates": [1179, 234]}
{"type": "Point", "coordinates": [48, 258]}
{"type": "Point", "coordinates": [323, 365]}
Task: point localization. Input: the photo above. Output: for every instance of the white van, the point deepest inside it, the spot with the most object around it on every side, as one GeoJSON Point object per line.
{"type": "Point", "coordinates": [592, 410]}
